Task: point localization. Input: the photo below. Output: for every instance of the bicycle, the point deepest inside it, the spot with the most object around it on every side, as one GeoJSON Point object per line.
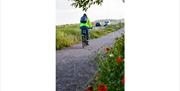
{"type": "Point", "coordinates": [85, 39]}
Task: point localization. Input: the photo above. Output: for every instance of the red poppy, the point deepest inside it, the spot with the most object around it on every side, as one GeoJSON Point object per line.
{"type": "Point", "coordinates": [106, 49]}
{"type": "Point", "coordinates": [89, 88]}
{"type": "Point", "coordinates": [122, 80]}
{"type": "Point", "coordinates": [102, 87]}
{"type": "Point", "coordinates": [119, 59]}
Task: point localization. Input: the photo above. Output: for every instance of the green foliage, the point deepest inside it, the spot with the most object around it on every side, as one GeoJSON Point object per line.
{"type": "Point", "coordinates": [85, 4]}
{"type": "Point", "coordinates": [69, 34]}
{"type": "Point", "coordinates": [119, 45]}
{"type": "Point", "coordinates": [111, 72]}
{"type": "Point", "coordinates": [102, 32]}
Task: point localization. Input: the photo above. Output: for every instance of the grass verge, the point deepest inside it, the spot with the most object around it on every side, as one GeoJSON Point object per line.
{"type": "Point", "coordinates": [69, 34]}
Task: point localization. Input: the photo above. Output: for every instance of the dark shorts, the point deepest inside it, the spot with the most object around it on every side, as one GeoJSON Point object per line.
{"type": "Point", "coordinates": [84, 30]}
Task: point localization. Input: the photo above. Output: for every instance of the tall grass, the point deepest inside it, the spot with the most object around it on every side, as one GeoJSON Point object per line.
{"type": "Point", "coordinates": [69, 34]}
{"type": "Point", "coordinates": [105, 31]}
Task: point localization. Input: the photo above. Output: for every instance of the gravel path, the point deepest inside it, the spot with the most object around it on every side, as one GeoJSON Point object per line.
{"type": "Point", "coordinates": [75, 66]}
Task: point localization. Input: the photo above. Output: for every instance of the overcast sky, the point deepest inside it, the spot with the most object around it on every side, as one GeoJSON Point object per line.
{"type": "Point", "coordinates": [110, 9]}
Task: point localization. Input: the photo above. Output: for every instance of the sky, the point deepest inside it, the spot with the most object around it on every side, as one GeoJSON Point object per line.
{"type": "Point", "coordinates": [110, 9]}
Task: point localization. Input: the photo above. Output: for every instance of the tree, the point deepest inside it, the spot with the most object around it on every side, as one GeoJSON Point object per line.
{"type": "Point", "coordinates": [85, 4]}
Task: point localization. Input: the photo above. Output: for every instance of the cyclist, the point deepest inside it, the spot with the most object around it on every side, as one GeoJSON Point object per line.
{"type": "Point", "coordinates": [85, 25]}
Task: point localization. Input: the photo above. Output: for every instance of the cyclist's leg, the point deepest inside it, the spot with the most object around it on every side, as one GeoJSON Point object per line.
{"type": "Point", "coordinates": [83, 36]}
{"type": "Point", "coordinates": [82, 30]}
{"type": "Point", "coordinates": [87, 35]}
{"type": "Point", "coordinates": [83, 33]}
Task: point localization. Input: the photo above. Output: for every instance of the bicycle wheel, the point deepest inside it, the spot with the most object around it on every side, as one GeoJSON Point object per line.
{"type": "Point", "coordinates": [83, 42]}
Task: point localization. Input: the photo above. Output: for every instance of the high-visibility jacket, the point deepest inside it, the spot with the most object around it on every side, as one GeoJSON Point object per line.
{"type": "Point", "coordinates": [87, 24]}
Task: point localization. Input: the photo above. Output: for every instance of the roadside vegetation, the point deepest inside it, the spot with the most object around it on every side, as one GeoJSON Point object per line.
{"type": "Point", "coordinates": [96, 33]}
{"type": "Point", "coordinates": [67, 35]}
{"type": "Point", "coordinates": [110, 75]}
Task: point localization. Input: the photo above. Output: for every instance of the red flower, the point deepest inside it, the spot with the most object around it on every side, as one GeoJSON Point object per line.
{"type": "Point", "coordinates": [102, 87]}
{"type": "Point", "coordinates": [89, 88]}
{"type": "Point", "coordinates": [106, 49]}
{"type": "Point", "coordinates": [119, 59]}
{"type": "Point", "coordinates": [122, 80]}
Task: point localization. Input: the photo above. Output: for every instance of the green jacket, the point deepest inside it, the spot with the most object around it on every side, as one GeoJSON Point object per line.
{"type": "Point", "coordinates": [87, 24]}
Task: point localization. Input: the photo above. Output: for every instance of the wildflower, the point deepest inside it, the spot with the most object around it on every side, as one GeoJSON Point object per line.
{"type": "Point", "coordinates": [122, 80]}
{"type": "Point", "coordinates": [106, 49]}
{"type": "Point", "coordinates": [119, 59]}
{"type": "Point", "coordinates": [102, 87]}
{"type": "Point", "coordinates": [89, 88]}
{"type": "Point", "coordinates": [111, 55]}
